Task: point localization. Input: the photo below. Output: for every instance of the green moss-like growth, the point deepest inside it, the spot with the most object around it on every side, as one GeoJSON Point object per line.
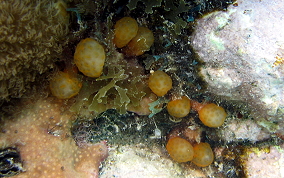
{"type": "Point", "coordinates": [171, 11]}
{"type": "Point", "coordinates": [121, 86]}
{"type": "Point", "coordinates": [156, 106]}
{"type": "Point", "coordinates": [149, 5]}
{"type": "Point", "coordinates": [119, 90]}
{"type": "Point", "coordinates": [178, 13]}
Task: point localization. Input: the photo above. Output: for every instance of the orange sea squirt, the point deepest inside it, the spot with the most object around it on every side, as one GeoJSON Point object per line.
{"type": "Point", "coordinates": [179, 107]}
{"type": "Point", "coordinates": [212, 115]}
{"type": "Point", "coordinates": [140, 43]}
{"type": "Point", "coordinates": [124, 30]}
{"type": "Point", "coordinates": [160, 83]}
{"type": "Point", "coordinates": [180, 149]}
{"type": "Point", "coordinates": [203, 155]}
{"type": "Point", "coordinates": [90, 57]}
{"type": "Point", "coordinates": [64, 86]}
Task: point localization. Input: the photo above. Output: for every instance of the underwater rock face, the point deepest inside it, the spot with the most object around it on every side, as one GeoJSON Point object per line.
{"type": "Point", "coordinates": [243, 50]}
{"type": "Point", "coordinates": [266, 162]}
{"type": "Point", "coordinates": [240, 130]}
{"type": "Point", "coordinates": [143, 161]}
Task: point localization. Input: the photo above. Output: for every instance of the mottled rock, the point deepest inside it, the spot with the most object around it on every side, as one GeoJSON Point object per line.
{"type": "Point", "coordinates": [242, 49]}
{"type": "Point", "coordinates": [243, 130]}
{"type": "Point", "coordinates": [266, 162]}
{"type": "Point", "coordinates": [144, 162]}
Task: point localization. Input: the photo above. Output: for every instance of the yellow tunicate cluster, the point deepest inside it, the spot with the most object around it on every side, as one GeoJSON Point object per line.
{"type": "Point", "coordinates": [64, 86]}
{"type": "Point", "coordinates": [160, 83]}
{"type": "Point", "coordinates": [135, 40]}
{"type": "Point", "coordinates": [90, 57]}
{"type": "Point", "coordinates": [124, 30]}
{"type": "Point", "coordinates": [181, 150]}
{"type": "Point", "coordinates": [179, 107]}
{"type": "Point", "coordinates": [212, 115]}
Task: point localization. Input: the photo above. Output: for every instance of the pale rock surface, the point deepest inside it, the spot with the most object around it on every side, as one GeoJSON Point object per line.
{"type": "Point", "coordinates": [240, 48]}
{"type": "Point", "coordinates": [262, 163]}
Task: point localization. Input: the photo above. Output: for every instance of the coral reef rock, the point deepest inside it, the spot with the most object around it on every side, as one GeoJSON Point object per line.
{"type": "Point", "coordinates": [265, 162]}
{"type": "Point", "coordinates": [141, 161]}
{"type": "Point", "coordinates": [243, 51]}
{"type": "Point", "coordinates": [41, 133]}
{"type": "Point", "coordinates": [238, 130]}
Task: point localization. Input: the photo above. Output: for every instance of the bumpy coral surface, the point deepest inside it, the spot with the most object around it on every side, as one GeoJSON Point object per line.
{"type": "Point", "coordinates": [41, 134]}
{"type": "Point", "coordinates": [30, 33]}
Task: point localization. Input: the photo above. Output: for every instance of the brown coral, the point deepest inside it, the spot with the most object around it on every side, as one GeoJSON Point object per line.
{"type": "Point", "coordinates": [41, 133]}
{"type": "Point", "coordinates": [30, 32]}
